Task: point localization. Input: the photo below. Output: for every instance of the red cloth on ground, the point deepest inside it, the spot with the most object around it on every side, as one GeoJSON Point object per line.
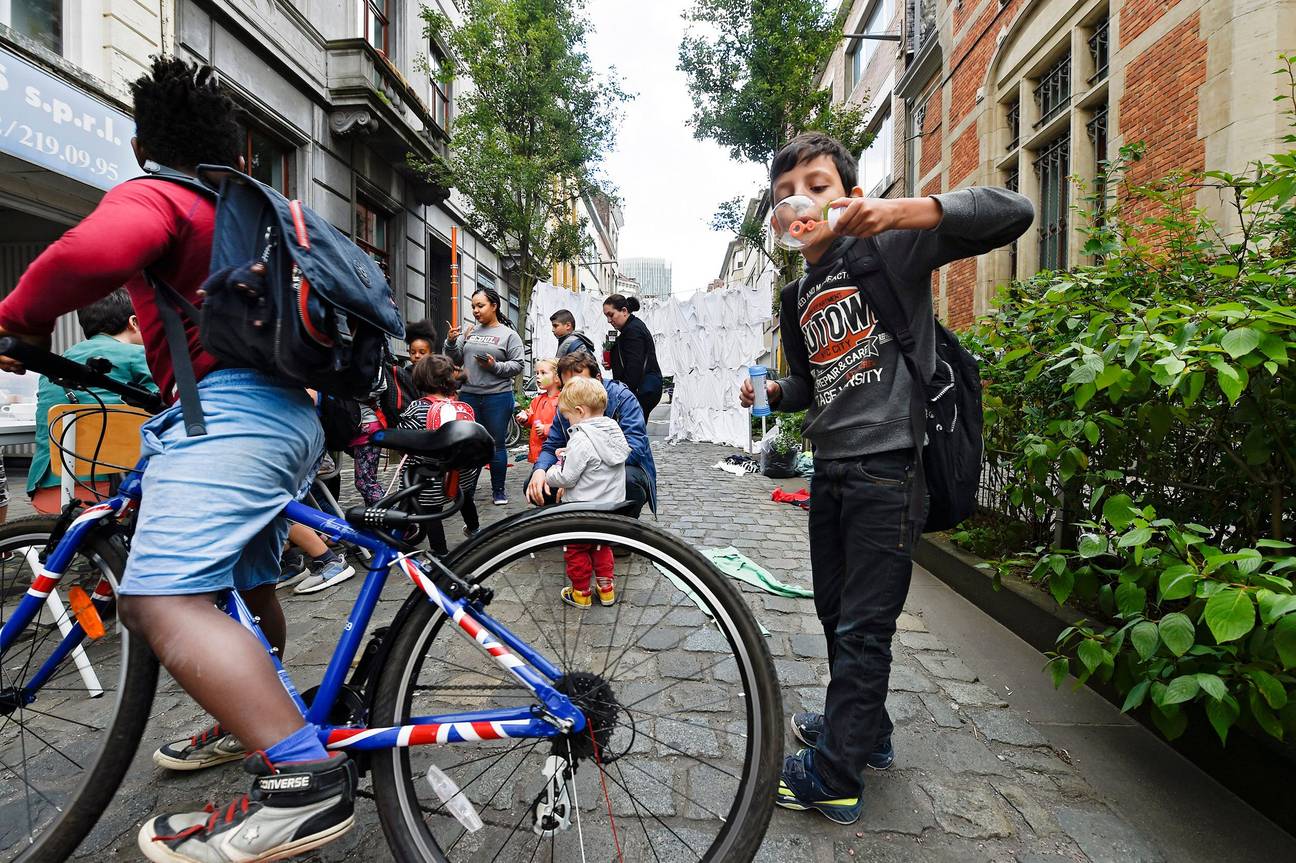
{"type": "Point", "coordinates": [800, 498]}
{"type": "Point", "coordinates": [140, 224]}
{"type": "Point", "coordinates": [542, 410]}
{"type": "Point", "coordinates": [585, 561]}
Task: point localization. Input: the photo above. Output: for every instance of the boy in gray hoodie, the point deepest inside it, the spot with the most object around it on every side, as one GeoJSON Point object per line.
{"type": "Point", "coordinates": [848, 372]}
{"type": "Point", "coordinates": [591, 469]}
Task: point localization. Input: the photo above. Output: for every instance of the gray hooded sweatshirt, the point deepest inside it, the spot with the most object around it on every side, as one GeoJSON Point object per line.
{"type": "Point", "coordinates": [593, 468]}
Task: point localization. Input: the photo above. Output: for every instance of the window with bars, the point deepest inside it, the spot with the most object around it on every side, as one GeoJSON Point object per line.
{"type": "Point", "coordinates": [375, 21]}
{"type": "Point", "coordinates": [1053, 92]}
{"type": "Point", "coordinates": [371, 234]}
{"type": "Point", "coordinates": [1014, 124]}
{"type": "Point", "coordinates": [1052, 167]}
{"type": "Point", "coordinates": [1098, 51]}
{"type": "Point", "coordinates": [268, 159]}
{"type": "Point", "coordinates": [1012, 182]}
{"type": "Point", "coordinates": [1097, 127]}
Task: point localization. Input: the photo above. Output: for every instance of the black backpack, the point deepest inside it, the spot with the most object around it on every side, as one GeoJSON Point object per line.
{"type": "Point", "coordinates": [947, 410]}
{"type": "Point", "coordinates": [324, 319]}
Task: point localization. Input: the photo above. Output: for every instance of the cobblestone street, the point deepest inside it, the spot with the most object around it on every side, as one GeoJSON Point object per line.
{"type": "Point", "coordinates": [973, 779]}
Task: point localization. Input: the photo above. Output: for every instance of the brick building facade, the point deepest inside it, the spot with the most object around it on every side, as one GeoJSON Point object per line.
{"type": "Point", "coordinates": [1033, 94]}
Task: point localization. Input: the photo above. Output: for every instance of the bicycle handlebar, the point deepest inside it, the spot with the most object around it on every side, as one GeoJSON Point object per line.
{"type": "Point", "coordinates": [77, 375]}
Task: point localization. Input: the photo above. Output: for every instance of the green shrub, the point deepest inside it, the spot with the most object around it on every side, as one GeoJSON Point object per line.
{"type": "Point", "coordinates": [1148, 406]}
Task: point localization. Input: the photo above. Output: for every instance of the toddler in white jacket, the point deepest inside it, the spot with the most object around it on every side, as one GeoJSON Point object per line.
{"type": "Point", "coordinates": [592, 470]}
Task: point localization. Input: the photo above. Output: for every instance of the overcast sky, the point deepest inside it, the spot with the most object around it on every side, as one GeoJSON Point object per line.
{"type": "Point", "coordinates": [670, 183]}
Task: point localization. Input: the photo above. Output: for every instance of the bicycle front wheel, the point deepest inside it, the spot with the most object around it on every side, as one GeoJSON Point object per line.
{"type": "Point", "coordinates": [680, 757]}
{"type": "Point", "coordinates": [64, 754]}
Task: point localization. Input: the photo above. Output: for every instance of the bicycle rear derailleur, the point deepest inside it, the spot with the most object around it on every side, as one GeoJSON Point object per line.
{"type": "Point", "coordinates": [551, 813]}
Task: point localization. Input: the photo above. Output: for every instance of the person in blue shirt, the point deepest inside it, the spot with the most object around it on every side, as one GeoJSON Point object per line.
{"type": "Point", "coordinates": [112, 332]}
{"type": "Point", "coordinates": [622, 406]}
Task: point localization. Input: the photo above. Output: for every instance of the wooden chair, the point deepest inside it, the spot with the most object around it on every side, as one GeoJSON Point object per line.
{"type": "Point", "coordinates": [118, 451]}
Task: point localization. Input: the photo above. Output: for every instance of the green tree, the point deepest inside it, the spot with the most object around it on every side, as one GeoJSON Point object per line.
{"type": "Point", "coordinates": [753, 68]}
{"type": "Point", "coordinates": [530, 130]}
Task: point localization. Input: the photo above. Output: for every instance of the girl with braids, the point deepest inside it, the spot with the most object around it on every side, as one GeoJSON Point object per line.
{"type": "Point", "coordinates": [210, 516]}
{"type": "Point", "coordinates": [492, 356]}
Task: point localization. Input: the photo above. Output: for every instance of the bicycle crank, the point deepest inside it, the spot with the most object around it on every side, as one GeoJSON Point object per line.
{"type": "Point", "coordinates": [552, 813]}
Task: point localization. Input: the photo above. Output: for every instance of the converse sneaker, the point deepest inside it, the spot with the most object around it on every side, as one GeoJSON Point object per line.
{"type": "Point", "coordinates": [326, 575]}
{"type": "Point", "coordinates": [214, 746]}
{"type": "Point", "coordinates": [292, 808]}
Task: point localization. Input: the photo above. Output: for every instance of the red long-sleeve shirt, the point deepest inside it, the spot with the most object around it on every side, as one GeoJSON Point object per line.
{"type": "Point", "coordinates": [151, 224]}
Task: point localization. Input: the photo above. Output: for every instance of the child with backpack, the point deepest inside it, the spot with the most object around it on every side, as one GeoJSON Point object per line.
{"type": "Point", "coordinates": [539, 415]}
{"type": "Point", "coordinates": [592, 469]}
{"type": "Point", "coordinates": [870, 263]}
{"type": "Point", "coordinates": [434, 377]}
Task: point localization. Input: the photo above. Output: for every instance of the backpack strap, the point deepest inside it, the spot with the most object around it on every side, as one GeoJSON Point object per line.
{"type": "Point", "coordinates": [170, 306]}
{"type": "Point", "coordinates": [864, 263]}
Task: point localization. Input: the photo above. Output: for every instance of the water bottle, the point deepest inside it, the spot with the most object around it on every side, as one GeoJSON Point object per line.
{"type": "Point", "coordinates": [454, 799]}
{"type": "Point", "coordinates": [760, 407]}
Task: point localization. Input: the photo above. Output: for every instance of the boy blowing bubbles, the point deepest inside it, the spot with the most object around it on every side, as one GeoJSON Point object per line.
{"type": "Point", "coordinates": [849, 373]}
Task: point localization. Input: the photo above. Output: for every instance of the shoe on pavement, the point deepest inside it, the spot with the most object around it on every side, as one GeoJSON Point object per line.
{"type": "Point", "coordinates": [292, 569]}
{"type": "Point", "coordinates": [292, 808]}
{"type": "Point", "coordinates": [801, 789]}
{"type": "Point", "coordinates": [577, 598]}
{"type": "Point", "coordinates": [214, 746]}
{"type": "Point", "coordinates": [334, 572]}
{"type": "Point", "coordinates": [606, 593]}
{"type": "Point", "coordinates": [808, 728]}
{"type": "Point", "coordinates": [500, 499]}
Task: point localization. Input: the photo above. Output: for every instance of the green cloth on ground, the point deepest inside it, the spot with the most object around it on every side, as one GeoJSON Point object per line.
{"type": "Point", "coordinates": [735, 564]}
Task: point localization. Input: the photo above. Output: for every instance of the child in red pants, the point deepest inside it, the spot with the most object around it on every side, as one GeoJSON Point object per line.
{"type": "Point", "coordinates": [592, 469]}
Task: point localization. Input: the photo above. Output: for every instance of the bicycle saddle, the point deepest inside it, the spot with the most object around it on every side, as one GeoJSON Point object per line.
{"type": "Point", "coordinates": [456, 445]}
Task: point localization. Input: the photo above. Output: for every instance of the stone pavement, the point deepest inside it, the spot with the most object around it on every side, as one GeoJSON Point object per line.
{"type": "Point", "coordinates": [973, 779]}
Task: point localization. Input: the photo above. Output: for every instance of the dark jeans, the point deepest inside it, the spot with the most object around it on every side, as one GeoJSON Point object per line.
{"type": "Point", "coordinates": [649, 395]}
{"type": "Point", "coordinates": [861, 545]}
{"type": "Point", "coordinates": [495, 412]}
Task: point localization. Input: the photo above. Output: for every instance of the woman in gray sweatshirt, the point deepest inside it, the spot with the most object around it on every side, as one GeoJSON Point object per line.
{"type": "Point", "coordinates": [492, 354]}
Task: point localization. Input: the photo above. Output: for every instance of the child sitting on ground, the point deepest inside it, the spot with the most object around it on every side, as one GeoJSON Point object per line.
{"type": "Point", "coordinates": [539, 416]}
{"type": "Point", "coordinates": [592, 469]}
{"type": "Point", "coordinates": [434, 378]}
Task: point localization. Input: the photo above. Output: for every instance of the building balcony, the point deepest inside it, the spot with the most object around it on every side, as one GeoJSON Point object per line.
{"type": "Point", "coordinates": [370, 97]}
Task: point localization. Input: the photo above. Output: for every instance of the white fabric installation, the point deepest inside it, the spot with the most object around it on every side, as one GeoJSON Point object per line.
{"type": "Point", "coordinates": [705, 342]}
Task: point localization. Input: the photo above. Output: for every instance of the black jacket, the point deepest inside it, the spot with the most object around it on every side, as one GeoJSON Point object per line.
{"type": "Point", "coordinates": [634, 356]}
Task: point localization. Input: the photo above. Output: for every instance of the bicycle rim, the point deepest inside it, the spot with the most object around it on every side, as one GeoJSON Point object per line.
{"type": "Point", "coordinates": [687, 734]}
{"type": "Point", "coordinates": [64, 754]}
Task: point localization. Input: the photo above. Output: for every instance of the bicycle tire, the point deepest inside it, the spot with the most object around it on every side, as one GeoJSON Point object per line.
{"type": "Point", "coordinates": [137, 682]}
{"type": "Point", "coordinates": [410, 839]}
{"type": "Point", "coordinates": [514, 434]}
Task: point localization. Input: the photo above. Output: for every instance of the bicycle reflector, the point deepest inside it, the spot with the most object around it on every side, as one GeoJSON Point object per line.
{"type": "Point", "coordinates": [85, 613]}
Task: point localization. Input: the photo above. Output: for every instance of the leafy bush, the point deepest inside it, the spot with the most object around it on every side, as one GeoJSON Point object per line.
{"type": "Point", "coordinates": [1147, 405]}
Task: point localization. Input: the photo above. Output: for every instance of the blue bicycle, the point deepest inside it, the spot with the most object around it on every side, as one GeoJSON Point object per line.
{"type": "Point", "coordinates": [492, 720]}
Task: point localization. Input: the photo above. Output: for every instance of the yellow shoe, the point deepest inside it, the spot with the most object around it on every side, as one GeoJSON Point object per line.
{"type": "Point", "coordinates": [577, 598]}
{"type": "Point", "coordinates": [606, 595]}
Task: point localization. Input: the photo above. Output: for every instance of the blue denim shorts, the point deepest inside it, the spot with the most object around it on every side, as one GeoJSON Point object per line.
{"type": "Point", "coordinates": [209, 519]}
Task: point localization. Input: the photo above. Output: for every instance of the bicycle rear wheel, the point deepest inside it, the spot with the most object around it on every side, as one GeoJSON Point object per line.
{"type": "Point", "coordinates": [675, 680]}
{"type": "Point", "coordinates": [63, 756]}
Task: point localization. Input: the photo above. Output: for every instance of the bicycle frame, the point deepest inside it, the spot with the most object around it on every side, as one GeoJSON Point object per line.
{"type": "Point", "coordinates": [553, 715]}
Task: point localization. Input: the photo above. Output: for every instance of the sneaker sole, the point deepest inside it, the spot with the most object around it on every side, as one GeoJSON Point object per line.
{"type": "Point", "coordinates": [337, 579]}
{"type": "Point", "coordinates": [607, 603]}
{"type": "Point", "coordinates": [183, 765]}
{"type": "Point", "coordinates": [797, 806]}
{"type": "Point", "coordinates": [159, 853]}
{"type": "Point", "coordinates": [291, 580]}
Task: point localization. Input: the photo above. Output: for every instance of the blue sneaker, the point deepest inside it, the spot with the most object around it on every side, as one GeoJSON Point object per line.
{"type": "Point", "coordinates": [326, 575]}
{"type": "Point", "coordinates": [499, 498]}
{"type": "Point", "coordinates": [801, 789]}
{"type": "Point", "coordinates": [808, 727]}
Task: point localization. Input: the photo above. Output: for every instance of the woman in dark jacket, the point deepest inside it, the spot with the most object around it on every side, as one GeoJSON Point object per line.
{"type": "Point", "coordinates": [634, 356]}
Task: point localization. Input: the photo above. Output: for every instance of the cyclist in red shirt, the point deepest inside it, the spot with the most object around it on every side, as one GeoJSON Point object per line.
{"type": "Point", "coordinates": [201, 531]}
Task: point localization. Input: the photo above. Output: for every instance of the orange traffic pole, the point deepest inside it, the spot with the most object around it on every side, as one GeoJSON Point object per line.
{"type": "Point", "coordinates": [454, 277]}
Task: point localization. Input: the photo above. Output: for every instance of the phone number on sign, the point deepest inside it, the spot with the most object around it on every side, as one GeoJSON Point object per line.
{"type": "Point", "coordinates": [73, 155]}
